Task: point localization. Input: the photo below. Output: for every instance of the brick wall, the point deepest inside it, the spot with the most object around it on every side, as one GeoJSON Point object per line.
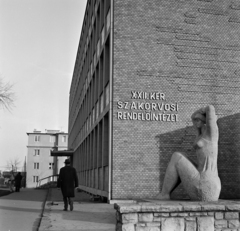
{"type": "Point", "coordinates": [189, 50]}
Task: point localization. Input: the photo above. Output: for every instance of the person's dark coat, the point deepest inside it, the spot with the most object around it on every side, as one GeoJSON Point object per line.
{"type": "Point", "coordinates": [68, 181]}
{"type": "Point", "coordinates": [18, 180]}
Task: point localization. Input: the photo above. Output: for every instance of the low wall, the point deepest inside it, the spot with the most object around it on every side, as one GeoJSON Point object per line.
{"type": "Point", "coordinates": [178, 216]}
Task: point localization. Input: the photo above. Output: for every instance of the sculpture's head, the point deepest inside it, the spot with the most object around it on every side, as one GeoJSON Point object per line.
{"type": "Point", "coordinates": [199, 120]}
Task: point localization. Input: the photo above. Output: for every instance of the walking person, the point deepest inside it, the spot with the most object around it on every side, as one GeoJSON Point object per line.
{"type": "Point", "coordinates": [68, 181]}
{"type": "Point", "coordinates": [18, 180]}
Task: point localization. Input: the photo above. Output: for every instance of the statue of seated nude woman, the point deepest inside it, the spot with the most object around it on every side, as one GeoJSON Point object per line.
{"type": "Point", "coordinates": [200, 180]}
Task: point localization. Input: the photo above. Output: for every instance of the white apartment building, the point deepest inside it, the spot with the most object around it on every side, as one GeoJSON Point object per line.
{"type": "Point", "coordinates": [40, 163]}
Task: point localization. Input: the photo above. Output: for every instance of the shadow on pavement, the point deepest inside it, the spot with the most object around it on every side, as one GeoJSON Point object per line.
{"type": "Point", "coordinates": [4, 193]}
{"type": "Point", "coordinates": [25, 195]}
{"type": "Point", "coordinates": [95, 217]}
{"type": "Point", "coordinates": [20, 209]}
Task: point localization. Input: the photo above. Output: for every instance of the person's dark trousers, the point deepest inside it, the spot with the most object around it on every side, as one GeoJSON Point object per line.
{"type": "Point", "coordinates": [17, 189]}
{"type": "Point", "coordinates": [68, 200]}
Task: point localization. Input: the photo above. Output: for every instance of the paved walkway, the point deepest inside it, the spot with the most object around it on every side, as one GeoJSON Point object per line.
{"type": "Point", "coordinates": [86, 216]}
{"type": "Point", "coordinates": [40, 210]}
{"type": "Point", "coordinates": [21, 211]}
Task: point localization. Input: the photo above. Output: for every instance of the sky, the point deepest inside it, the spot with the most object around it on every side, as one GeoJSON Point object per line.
{"type": "Point", "coordinates": [38, 47]}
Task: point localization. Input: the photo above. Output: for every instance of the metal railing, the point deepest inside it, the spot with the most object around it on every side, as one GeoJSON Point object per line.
{"type": "Point", "coordinates": [47, 180]}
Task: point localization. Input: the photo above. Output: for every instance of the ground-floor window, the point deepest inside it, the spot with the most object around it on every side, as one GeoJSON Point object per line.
{"type": "Point", "coordinates": [35, 178]}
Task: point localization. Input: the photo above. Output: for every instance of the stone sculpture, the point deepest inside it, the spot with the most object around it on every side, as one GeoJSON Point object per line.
{"type": "Point", "coordinates": [200, 180]}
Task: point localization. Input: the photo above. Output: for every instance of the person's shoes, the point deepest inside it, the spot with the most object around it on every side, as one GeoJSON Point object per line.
{"type": "Point", "coordinates": [71, 205]}
{"type": "Point", "coordinates": [65, 210]}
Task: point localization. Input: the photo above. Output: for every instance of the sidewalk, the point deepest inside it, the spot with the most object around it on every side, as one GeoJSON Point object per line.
{"type": "Point", "coordinates": [86, 216]}
{"type": "Point", "coordinates": [22, 211]}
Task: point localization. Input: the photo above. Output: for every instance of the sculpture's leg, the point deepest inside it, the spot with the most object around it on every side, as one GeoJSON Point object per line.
{"type": "Point", "coordinates": [180, 169]}
{"type": "Point", "coordinates": [171, 179]}
{"type": "Point", "coordinates": [190, 177]}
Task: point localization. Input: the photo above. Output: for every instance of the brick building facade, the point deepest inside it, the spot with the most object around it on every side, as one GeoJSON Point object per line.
{"type": "Point", "coordinates": [159, 61]}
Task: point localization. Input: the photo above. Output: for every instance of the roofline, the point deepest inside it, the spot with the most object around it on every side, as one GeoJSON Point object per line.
{"type": "Point", "coordinates": [44, 133]}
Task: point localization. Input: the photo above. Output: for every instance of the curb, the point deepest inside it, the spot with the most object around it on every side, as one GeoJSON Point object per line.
{"type": "Point", "coordinates": [41, 219]}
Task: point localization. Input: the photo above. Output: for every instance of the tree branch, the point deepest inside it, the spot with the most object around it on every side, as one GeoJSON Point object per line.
{"type": "Point", "coordinates": [6, 95]}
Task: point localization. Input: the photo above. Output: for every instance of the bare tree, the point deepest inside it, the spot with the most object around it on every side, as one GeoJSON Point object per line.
{"type": "Point", "coordinates": [13, 164]}
{"type": "Point", "coordinates": [6, 95]}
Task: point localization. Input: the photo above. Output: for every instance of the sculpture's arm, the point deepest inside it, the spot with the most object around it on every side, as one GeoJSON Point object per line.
{"type": "Point", "coordinates": [201, 111]}
{"type": "Point", "coordinates": [208, 116]}
{"type": "Point", "coordinates": [208, 112]}
{"type": "Point", "coordinates": [211, 121]}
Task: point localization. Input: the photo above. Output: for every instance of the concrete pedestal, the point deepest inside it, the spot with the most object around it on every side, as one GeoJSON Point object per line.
{"type": "Point", "coordinates": [154, 215]}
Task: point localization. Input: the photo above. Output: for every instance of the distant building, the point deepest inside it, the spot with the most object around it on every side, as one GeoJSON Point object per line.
{"type": "Point", "coordinates": [40, 163]}
{"type": "Point", "coordinates": [6, 174]}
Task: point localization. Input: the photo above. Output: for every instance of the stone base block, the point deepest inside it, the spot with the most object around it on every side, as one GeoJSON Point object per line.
{"type": "Point", "coordinates": [157, 215]}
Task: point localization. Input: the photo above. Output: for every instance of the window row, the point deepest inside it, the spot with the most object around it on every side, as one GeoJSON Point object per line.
{"type": "Point", "coordinates": [95, 87]}
{"type": "Point", "coordinates": [87, 124]}
{"type": "Point", "coordinates": [35, 179]}
{"type": "Point", "coordinates": [91, 52]}
{"type": "Point", "coordinates": [96, 111]}
{"type": "Point", "coordinates": [36, 152]}
{"type": "Point", "coordinates": [36, 165]}
{"type": "Point", "coordinates": [37, 138]}
{"type": "Point", "coordinates": [93, 152]}
{"type": "Point", "coordinates": [95, 76]}
{"type": "Point", "coordinates": [89, 45]}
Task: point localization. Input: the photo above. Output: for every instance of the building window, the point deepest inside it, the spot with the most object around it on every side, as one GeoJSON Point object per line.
{"type": "Point", "coordinates": [95, 59]}
{"type": "Point", "coordinates": [91, 68]}
{"type": "Point", "coordinates": [36, 152]}
{"type": "Point", "coordinates": [96, 7]}
{"type": "Point", "coordinates": [87, 41]}
{"type": "Point", "coordinates": [37, 138]}
{"type": "Point", "coordinates": [89, 31]}
{"type": "Point", "coordinates": [98, 48]}
{"type": "Point", "coordinates": [52, 139]}
{"type": "Point", "coordinates": [108, 20]}
{"type": "Point", "coordinates": [85, 88]}
{"type": "Point", "coordinates": [51, 165]}
{"type": "Point", "coordinates": [87, 124]}
{"type": "Point", "coordinates": [64, 139]}
{"type": "Point", "coordinates": [89, 77]}
{"type": "Point", "coordinates": [84, 128]}
{"type": "Point", "coordinates": [36, 165]}
{"type": "Point", "coordinates": [101, 103]}
{"type": "Point", "coordinates": [102, 33]}
{"type": "Point", "coordinates": [96, 110]}
{"type": "Point", "coordinates": [93, 115]}
{"type": "Point", "coordinates": [107, 94]}
{"type": "Point", "coordinates": [92, 20]}
{"type": "Point", "coordinates": [90, 120]}
{"type": "Point", "coordinates": [35, 178]}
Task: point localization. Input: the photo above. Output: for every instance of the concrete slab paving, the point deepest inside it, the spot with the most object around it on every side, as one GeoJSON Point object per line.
{"type": "Point", "coordinates": [86, 216]}
{"type": "Point", "coordinates": [22, 211]}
